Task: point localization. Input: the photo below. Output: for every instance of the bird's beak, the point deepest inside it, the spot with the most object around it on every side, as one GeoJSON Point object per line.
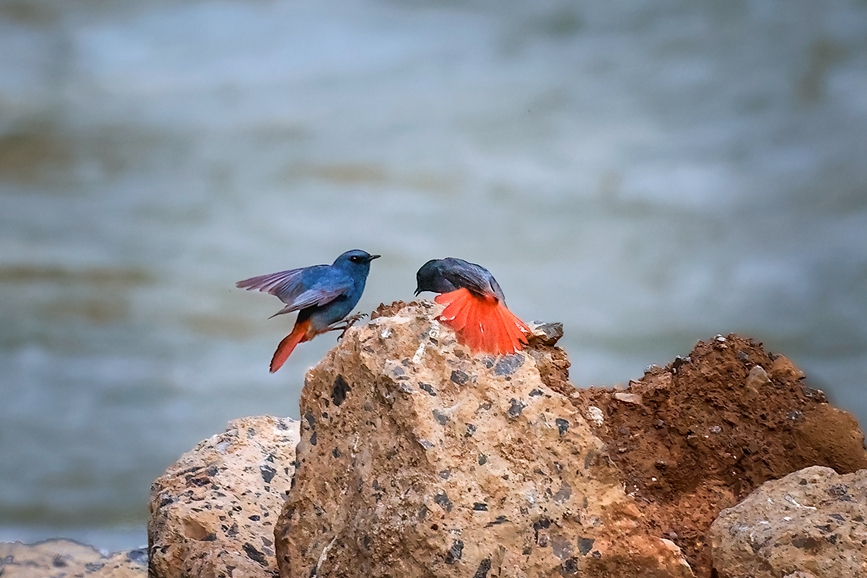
{"type": "Point", "coordinates": [372, 257]}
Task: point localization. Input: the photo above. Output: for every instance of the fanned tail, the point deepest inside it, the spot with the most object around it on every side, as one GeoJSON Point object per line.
{"type": "Point", "coordinates": [484, 324]}
{"type": "Point", "coordinates": [284, 350]}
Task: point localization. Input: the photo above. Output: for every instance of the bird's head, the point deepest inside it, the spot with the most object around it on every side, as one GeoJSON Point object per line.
{"type": "Point", "coordinates": [429, 278]}
{"type": "Point", "coordinates": [355, 260]}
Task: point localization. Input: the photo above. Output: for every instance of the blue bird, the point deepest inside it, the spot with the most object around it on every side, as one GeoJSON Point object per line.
{"type": "Point", "coordinates": [322, 294]}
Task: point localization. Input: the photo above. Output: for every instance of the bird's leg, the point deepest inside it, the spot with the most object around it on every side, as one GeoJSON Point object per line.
{"type": "Point", "coordinates": [345, 324]}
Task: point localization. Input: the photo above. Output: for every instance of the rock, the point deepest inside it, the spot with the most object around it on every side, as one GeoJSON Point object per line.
{"type": "Point", "coordinates": [757, 377]}
{"type": "Point", "coordinates": [784, 370]}
{"type": "Point", "coordinates": [213, 511]}
{"type": "Point", "coordinates": [546, 333]}
{"type": "Point", "coordinates": [632, 398]}
{"type": "Point", "coordinates": [809, 523]}
{"type": "Point", "coordinates": [710, 429]}
{"type": "Point", "coordinates": [68, 559]}
{"type": "Point", "coordinates": [418, 459]}
{"type": "Point", "coordinates": [595, 416]}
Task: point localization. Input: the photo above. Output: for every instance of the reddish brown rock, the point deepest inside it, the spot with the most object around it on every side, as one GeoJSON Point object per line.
{"type": "Point", "coordinates": [417, 459]}
{"type": "Point", "coordinates": [710, 428]}
{"type": "Point", "coordinates": [68, 559]}
{"type": "Point", "coordinates": [810, 523]}
{"type": "Point", "coordinates": [213, 511]}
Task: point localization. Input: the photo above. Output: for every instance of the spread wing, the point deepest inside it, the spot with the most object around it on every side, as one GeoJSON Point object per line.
{"type": "Point", "coordinates": [300, 288]}
{"type": "Point", "coordinates": [276, 284]}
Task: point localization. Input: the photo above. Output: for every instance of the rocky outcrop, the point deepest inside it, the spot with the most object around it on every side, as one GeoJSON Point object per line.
{"type": "Point", "coordinates": [213, 512]}
{"type": "Point", "coordinates": [417, 459]}
{"type": "Point", "coordinates": [697, 436]}
{"type": "Point", "coordinates": [809, 523]}
{"type": "Point", "coordinates": [68, 559]}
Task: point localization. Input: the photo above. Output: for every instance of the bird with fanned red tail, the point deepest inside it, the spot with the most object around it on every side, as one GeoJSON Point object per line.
{"type": "Point", "coordinates": [475, 305]}
{"type": "Point", "coordinates": [322, 294]}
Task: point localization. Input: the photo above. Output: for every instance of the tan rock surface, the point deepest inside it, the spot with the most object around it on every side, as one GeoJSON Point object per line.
{"type": "Point", "coordinates": [810, 523]}
{"type": "Point", "coordinates": [213, 511]}
{"type": "Point", "coordinates": [419, 460]}
{"type": "Point", "coordinates": [68, 559]}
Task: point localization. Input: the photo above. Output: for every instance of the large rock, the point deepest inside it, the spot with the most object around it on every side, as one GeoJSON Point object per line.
{"type": "Point", "coordinates": [419, 460]}
{"type": "Point", "coordinates": [213, 511]}
{"type": "Point", "coordinates": [68, 559]}
{"type": "Point", "coordinates": [697, 436]}
{"type": "Point", "coordinates": [810, 523]}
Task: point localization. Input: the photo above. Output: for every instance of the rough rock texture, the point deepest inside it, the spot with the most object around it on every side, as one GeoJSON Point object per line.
{"type": "Point", "coordinates": [213, 511]}
{"type": "Point", "coordinates": [812, 522]}
{"type": "Point", "coordinates": [702, 433]}
{"type": "Point", "coordinates": [68, 559]}
{"type": "Point", "coordinates": [419, 460]}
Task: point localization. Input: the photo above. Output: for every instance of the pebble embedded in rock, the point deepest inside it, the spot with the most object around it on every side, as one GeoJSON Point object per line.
{"type": "Point", "coordinates": [630, 398]}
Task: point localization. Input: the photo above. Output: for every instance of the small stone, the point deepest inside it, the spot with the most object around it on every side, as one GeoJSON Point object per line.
{"type": "Point", "coordinates": [784, 370]}
{"type": "Point", "coordinates": [515, 407]}
{"type": "Point", "coordinates": [595, 416]}
{"type": "Point", "coordinates": [455, 552]}
{"type": "Point", "coordinates": [340, 390]}
{"type": "Point", "coordinates": [630, 398]}
{"type": "Point", "coordinates": [757, 378]}
{"type": "Point", "coordinates": [428, 388]}
{"type": "Point", "coordinates": [508, 364]}
{"type": "Point", "coordinates": [441, 417]}
{"type": "Point", "coordinates": [459, 377]}
{"type": "Point", "coordinates": [546, 333]}
{"type": "Point", "coordinates": [444, 502]}
{"type": "Point", "coordinates": [678, 362]}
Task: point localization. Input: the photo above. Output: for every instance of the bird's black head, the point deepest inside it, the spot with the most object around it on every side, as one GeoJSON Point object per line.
{"type": "Point", "coordinates": [425, 276]}
{"type": "Point", "coordinates": [430, 278]}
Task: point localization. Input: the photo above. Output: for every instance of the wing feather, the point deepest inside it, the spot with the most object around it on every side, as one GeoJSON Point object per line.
{"type": "Point", "coordinates": [474, 277]}
{"type": "Point", "coordinates": [300, 288]}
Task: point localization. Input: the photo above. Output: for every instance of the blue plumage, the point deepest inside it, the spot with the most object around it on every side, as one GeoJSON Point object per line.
{"type": "Point", "coordinates": [322, 294]}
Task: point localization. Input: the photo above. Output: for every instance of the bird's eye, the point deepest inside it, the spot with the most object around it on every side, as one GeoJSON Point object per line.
{"type": "Point", "coordinates": [355, 259]}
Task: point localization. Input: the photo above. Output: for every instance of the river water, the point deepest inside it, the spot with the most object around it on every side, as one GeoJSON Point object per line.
{"type": "Point", "coordinates": [648, 173]}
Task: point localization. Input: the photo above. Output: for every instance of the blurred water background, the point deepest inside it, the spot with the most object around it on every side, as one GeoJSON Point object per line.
{"type": "Point", "coordinates": [648, 173]}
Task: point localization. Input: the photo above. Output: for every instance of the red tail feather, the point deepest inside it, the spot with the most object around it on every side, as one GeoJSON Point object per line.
{"type": "Point", "coordinates": [284, 350]}
{"type": "Point", "coordinates": [483, 324]}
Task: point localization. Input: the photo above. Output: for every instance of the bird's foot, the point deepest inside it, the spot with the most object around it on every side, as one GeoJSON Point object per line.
{"type": "Point", "coordinates": [346, 324]}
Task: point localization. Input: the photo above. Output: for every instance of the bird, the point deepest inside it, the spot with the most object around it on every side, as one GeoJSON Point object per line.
{"type": "Point", "coordinates": [322, 294]}
{"type": "Point", "coordinates": [475, 305]}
